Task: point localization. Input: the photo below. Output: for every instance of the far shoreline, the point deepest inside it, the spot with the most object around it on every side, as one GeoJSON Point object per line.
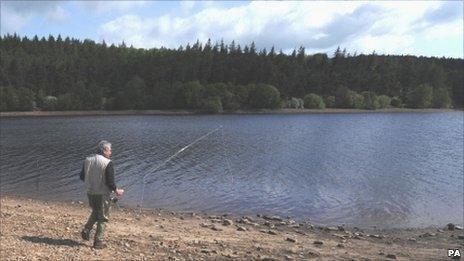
{"type": "Point", "coordinates": [192, 112]}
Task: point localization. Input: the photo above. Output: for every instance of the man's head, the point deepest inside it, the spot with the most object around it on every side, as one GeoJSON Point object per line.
{"type": "Point", "coordinates": [104, 148]}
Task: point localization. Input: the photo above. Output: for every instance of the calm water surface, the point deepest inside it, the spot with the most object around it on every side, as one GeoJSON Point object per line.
{"type": "Point", "coordinates": [383, 169]}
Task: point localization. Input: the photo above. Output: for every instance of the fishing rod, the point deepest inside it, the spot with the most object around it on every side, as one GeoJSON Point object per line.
{"type": "Point", "coordinates": [169, 159]}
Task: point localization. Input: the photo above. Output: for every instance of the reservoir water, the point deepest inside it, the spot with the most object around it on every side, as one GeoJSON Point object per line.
{"type": "Point", "coordinates": [364, 169]}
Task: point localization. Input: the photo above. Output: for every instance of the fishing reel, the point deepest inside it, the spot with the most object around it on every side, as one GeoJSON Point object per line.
{"type": "Point", "coordinates": [114, 199]}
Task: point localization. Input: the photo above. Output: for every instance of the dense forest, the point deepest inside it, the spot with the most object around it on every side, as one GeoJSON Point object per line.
{"type": "Point", "coordinates": [70, 74]}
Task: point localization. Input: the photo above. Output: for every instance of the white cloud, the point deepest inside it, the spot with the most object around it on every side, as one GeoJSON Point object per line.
{"type": "Point", "coordinates": [387, 27]}
{"type": "Point", "coordinates": [58, 15]}
{"type": "Point", "coordinates": [16, 15]}
{"type": "Point", "coordinates": [12, 22]}
{"type": "Point", "coordinates": [444, 30]}
{"type": "Point", "coordinates": [101, 7]}
{"type": "Point", "coordinates": [187, 5]}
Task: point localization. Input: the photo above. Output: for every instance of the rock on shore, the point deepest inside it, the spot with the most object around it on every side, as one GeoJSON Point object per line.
{"type": "Point", "coordinates": [33, 230]}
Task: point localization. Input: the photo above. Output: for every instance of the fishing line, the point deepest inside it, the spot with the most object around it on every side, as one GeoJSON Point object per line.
{"type": "Point", "coordinates": [226, 153]}
{"type": "Point", "coordinates": [169, 159]}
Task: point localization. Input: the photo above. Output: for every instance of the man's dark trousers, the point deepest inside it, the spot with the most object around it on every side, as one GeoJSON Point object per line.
{"type": "Point", "coordinates": [100, 214]}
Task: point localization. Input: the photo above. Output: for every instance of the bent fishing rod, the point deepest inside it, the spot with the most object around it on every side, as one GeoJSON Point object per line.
{"type": "Point", "coordinates": [169, 159]}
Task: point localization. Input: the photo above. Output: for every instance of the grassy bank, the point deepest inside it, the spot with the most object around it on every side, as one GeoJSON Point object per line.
{"type": "Point", "coordinates": [32, 230]}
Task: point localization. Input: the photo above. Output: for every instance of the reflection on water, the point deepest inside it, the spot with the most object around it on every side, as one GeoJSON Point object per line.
{"type": "Point", "coordinates": [357, 169]}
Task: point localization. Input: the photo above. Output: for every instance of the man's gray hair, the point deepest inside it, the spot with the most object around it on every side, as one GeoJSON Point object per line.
{"type": "Point", "coordinates": [103, 145]}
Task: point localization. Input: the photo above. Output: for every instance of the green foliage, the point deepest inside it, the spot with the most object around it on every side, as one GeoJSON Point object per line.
{"type": "Point", "coordinates": [132, 96]}
{"type": "Point", "coordinates": [49, 103]}
{"type": "Point", "coordinates": [441, 98]}
{"type": "Point", "coordinates": [421, 96]}
{"type": "Point", "coordinates": [357, 100]}
{"type": "Point", "coordinates": [293, 103]}
{"type": "Point", "coordinates": [371, 101]}
{"type": "Point", "coordinates": [130, 78]}
{"type": "Point", "coordinates": [384, 101]}
{"type": "Point", "coordinates": [330, 101]}
{"type": "Point", "coordinates": [26, 99]}
{"type": "Point", "coordinates": [342, 97]}
{"type": "Point", "coordinates": [313, 101]}
{"type": "Point", "coordinates": [242, 92]}
{"type": "Point", "coordinates": [211, 104]}
{"type": "Point", "coordinates": [346, 98]}
{"type": "Point", "coordinates": [396, 102]}
{"type": "Point", "coordinates": [230, 101]}
{"type": "Point", "coordinates": [264, 96]}
{"type": "Point", "coordinates": [191, 95]}
{"type": "Point", "coordinates": [21, 99]}
{"type": "Point", "coordinates": [68, 102]}
{"type": "Point", "coordinates": [9, 99]}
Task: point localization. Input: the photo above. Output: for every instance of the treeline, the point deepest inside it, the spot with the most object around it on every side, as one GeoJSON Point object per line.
{"type": "Point", "coordinates": [69, 74]}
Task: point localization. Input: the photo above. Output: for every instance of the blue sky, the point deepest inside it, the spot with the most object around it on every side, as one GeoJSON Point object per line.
{"type": "Point", "coordinates": [427, 28]}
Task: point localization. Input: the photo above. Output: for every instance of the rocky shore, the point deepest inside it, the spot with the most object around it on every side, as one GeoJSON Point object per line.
{"type": "Point", "coordinates": [190, 112]}
{"type": "Point", "coordinates": [38, 230]}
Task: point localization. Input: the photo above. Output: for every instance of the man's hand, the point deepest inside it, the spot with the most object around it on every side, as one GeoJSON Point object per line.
{"type": "Point", "coordinates": [119, 192]}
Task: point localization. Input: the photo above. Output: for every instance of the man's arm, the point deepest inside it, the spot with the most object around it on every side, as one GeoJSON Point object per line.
{"type": "Point", "coordinates": [109, 172]}
{"type": "Point", "coordinates": [82, 175]}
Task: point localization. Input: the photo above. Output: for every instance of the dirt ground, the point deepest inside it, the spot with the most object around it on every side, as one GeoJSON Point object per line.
{"type": "Point", "coordinates": [41, 230]}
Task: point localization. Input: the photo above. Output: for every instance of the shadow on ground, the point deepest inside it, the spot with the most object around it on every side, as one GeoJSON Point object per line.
{"type": "Point", "coordinates": [52, 241]}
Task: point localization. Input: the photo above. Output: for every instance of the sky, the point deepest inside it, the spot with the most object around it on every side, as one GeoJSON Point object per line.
{"type": "Point", "coordinates": [421, 28]}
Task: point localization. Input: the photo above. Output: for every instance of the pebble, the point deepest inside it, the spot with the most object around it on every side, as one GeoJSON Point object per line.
{"type": "Point", "coordinates": [269, 224]}
{"type": "Point", "coordinates": [227, 222]}
{"type": "Point", "coordinates": [205, 251]}
{"type": "Point", "coordinates": [313, 254]}
{"type": "Point", "coordinates": [450, 226]}
{"type": "Point", "coordinates": [240, 228]}
{"type": "Point", "coordinates": [274, 218]}
{"type": "Point", "coordinates": [412, 239]}
{"type": "Point", "coordinates": [376, 236]}
{"type": "Point", "coordinates": [215, 228]}
{"type": "Point", "coordinates": [330, 228]}
{"type": "Point", "coordinates": [203, 225]}
{"type": "Point", "coordinates": [428, 235]}
{"type": "Point", "coordinates": [461, 237]}
{"type": "Point", "coordinates": [318, 242]}
{"type": "Point", "coordinates": [291, 222]}
{"type": "Point", "coordinates": [268, 259]}
{"type": "Point", "coordinates": [340, 246]}
{"type": "Point", "coordinates": [391, 256]}
{"type": "Point", "coordinates": [270, 232]}
{"type": "Point", "coordinates": [289, 239]}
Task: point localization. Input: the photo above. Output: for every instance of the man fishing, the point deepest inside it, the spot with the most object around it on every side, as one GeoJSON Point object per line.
{"type": "Point", "coordinates": [98, 175]}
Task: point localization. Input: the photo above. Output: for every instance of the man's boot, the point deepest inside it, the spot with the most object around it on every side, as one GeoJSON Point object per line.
{"type": "Point", "coordinates": [98, 244]}
{"type": "Point", "coordinates": [85, 234]}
